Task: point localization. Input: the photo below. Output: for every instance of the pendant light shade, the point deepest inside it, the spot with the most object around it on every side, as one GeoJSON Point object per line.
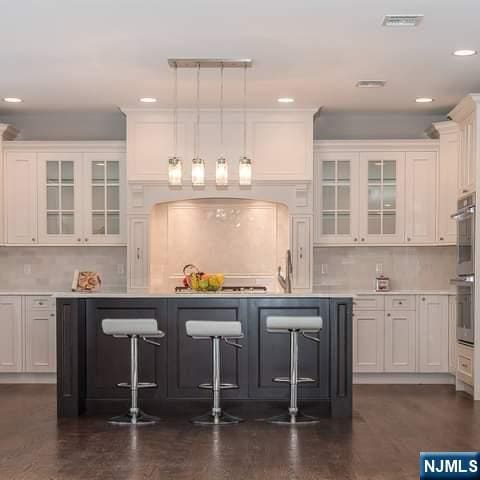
{"type": "Point", "coordinates": [198, 165]}
{"type": "Point", "coordinates": [221, 172]}
{"type": "Point", "coordinates": [174, 162]}
{"type": "Point", "coordinates": [198, 172]}
{"type": "Point", "coordinates": [245, 164]}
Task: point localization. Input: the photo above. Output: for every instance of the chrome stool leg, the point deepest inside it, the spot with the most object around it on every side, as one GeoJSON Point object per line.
{"type": "Point", "coordinates": [134, 416]}
{"type": "Point", "coordinates": [216, 416]}
{"type": "Point", "coordinates": [294, 416]}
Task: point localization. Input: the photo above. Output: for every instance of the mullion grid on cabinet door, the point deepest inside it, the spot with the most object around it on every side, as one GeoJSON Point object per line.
{"type": "Point", "coordinates": [338, 218]}
{"type": "Point", "coordinates": [60, 211]}
{"type": "Point", "coordinates": [105, 184]}
{"type": "Point", "coordinates": [382, 191]}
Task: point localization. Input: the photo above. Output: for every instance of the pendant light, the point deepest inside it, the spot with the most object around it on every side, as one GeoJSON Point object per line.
{"type": "Point", "coordinates": [174, 162]}
{"type": "Point", "coordinates": [245, 164]}
{"type": "Point", "coordinates": [198, 165]}
{"type": "Point", "coordinates": [221, 167]}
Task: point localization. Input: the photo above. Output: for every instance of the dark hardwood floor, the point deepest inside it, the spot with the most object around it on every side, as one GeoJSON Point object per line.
{"type": "Point", "coordinates": [391, 425]}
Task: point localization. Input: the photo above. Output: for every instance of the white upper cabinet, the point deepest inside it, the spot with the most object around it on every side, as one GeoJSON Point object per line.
{"type": "Point", "coordinates": [466, 115]}
{"type": "Point", "coordinates": [278, 141]}
{"type": "Point", "coordinates": [420, 197]}
{"type": "Point", "coordinates": [447, 182]}
{"type": "Point", "coordinates": [21, 197]}
{"type": "Point", "coordinates": [336, 197]}
{"type": "Point", "coordinates": [382, 197]}
{"type": "Point", "coordinates": [59, 197]}
{"type": "Point", "coordinates": [65, 193]}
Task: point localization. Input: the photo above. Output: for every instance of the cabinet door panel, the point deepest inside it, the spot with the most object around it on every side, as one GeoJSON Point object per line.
{"type": "Point", "coordinates": [59, 198]}
{"type": "Point", "coordinates": [421, 195]}
{"type": "Point", "coordinates": [270, 352]}
{"type": "Point", "coordinates": [40, 341]}
{"type": "Point", "coordinates": [382, 197]}
{"type": "Point", "coordinates": [104, 187]}
{"type": "Point", "coordinates": [433, 333]}
{"type": "Point", "coordinates": [21, 197]}
{"type": "Point", "coordinates": [336, 197]}
{"type": "Point", "coordinates": [138, 253]}
{"type": "Point", "coordinates": [11, 338]}
{"type": "Point", "coordinates": [400, 341]}
{"type": "Point", "coordinates": [194, 364]}
{"type": "Point", "coordinates": [301, 252]}
{"type": "Point", "coordinates": [368, 341]}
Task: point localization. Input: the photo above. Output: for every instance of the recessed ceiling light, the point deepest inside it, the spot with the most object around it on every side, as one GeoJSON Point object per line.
{"type": "Point", "coordinates": [424, 100]}
{"type": "Point", "coordinates": [148, 100]}
{"type": "Point", "coordinates": [370, 83]}
{"type": "Point", "coordinates": [402, 20]}
{"type": "Point", "coordinates": [285, 100]}
{"type": "Point", "coordinates": [12, 100]}
{"type": "Point", "coordinates": [464, 53]}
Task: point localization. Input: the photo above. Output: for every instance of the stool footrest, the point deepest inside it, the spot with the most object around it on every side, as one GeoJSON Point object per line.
{"type": "Point", "coordinates": [140, 385]}
{"type": "Point", "coordinates": [223, 386]}
{"type": "Point", "coordinates": [287, 380]}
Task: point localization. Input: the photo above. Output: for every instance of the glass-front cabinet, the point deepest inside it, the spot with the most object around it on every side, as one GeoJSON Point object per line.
{"type": "Point", "coordinates": [336, 198]}
{"type": "Point", "coordinates": [382, 197]}
{"type": "Point", "coordinates": [60, 184]}
{"type": "Point", "coordinates": [80, 198]}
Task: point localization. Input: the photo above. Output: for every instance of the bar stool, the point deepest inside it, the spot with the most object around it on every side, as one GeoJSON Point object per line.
{"type": "Point", "coordinates": [294, 326]}
{"type": "Point", "coordinates": [133, 328]}
{"type": "Point", "coordinates": [215, 331]}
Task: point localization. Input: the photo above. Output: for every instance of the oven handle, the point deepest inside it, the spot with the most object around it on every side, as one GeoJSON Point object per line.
{"type": "Point", "coordinates": [464, 213]}
{"type": "Point", "coordinates": [463, 281]}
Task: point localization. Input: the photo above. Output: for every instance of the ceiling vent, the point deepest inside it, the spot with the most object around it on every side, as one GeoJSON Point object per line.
{"type": "Point", "coordinates": [402, 20]}
{"type": "Point", "coordinates": [371, 83]}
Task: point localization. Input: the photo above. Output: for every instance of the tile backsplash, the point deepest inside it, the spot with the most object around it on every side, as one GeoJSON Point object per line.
{"type": "Point", "coordinates": [409, 268]}
{"type": "Point", "coordinates": [51, 268]}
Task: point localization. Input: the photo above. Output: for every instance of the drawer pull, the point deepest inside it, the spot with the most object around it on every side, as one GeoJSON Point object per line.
{"type": "Point", "coordinates": [464, 365]}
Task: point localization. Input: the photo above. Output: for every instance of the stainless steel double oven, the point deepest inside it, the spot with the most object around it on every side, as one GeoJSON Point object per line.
{"type": "Point", "coordinates": [465, 281]}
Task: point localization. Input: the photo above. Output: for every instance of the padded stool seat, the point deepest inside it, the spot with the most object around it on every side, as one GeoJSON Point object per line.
{"type": "Point", "coordinates": [207, 329]}
{"type": "Point", "coordinates": [124, 327]}
{"type": "Point", "coordinates": [284, 324]}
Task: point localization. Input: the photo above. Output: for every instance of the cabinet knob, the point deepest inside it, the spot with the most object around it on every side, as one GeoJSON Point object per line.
{"type": "Point", "coordinates": [400, 303]}
{"type": "Point", "coordinates": [389, 314]}
{"type": "Point", "coordinates": [442, 239]}
{"type": "Point", "coordinates": [355, 239]}
{"type": "Point", "coordinates": [33, 239]}
{"type": "Point", "coordinates": [79, 239]}
{"type": "Point", "coordinates": [86, 239]}
{"type": "Point", "coordinates": [363, 239]}
{"type": "Point", "coordinates": [301, 253]}
{"type": "Point", "coordinates": [138, 253]}
{"type": "Point", "coordinates": [465, 190]}
{"type": "Point", "coordinates": [423, 299]}
{"type": "Point", "coordinates": [52, 314]}
{"type": "Point", "coordinates": [409, 239]}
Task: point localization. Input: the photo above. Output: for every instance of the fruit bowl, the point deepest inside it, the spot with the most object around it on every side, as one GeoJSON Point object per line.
{"type": "Point", "coordinates": [202, 282]}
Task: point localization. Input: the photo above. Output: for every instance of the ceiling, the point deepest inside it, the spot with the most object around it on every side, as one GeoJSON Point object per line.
{"type": "Point", "coordinates": [101, 54]}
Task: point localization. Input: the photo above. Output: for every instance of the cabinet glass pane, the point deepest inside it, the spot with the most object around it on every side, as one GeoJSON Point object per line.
{"type": "Point", "coordinates": [389, 200]}
{"type": "Point", "coordinates": [98, 198]}
{"type": "Point", "coordinates": [53, 223]}
{"type": "Point", "coordinates": [374, 223]}
{"type": "Point", "coordinates": [67, 198]}
{"type": "Point", "coordinates": [113, 198]}
{"type": "Point", "coordinates": [67, 172]}
{"type": "Point", "coordinates": [113, 223]}
{"type": "Point", "coordinates": [98, 172]}
{"type": "Point", "coordinates": [98, 224]}
{"type": "Point", "coordinates": [389, 219]}
{"type": "Point", "coordinates": [389, 171]}
{"type": "Point", "coordinates": [52, 172]}
{"type": "Point", "coordinates": [328, 171]}
{"type": "Point", "coordinates": [112, 172]}
{"type": "Point", "coordinates": [343, 173]}
{"type": "Point", "coordinates": [67, 223]}
{"type": "Point", "coordinates": [374, 196]}
{"type": "Point", "coordinates": [328, 223]}
{"type": "Point", "coordinates": [374, 171]}
{"type": "Point", "coordinates": [328, 198]}
{"type": "Point", "coordinates": [52, 198]}
{"type": "Point", "coordinates": [343, 223]}
{"type": "Point", "coordinates": [343, 197]}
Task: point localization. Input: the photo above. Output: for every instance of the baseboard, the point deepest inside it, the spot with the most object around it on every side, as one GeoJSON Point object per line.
{"type": "Point", "coordinates": [28, 378]}
{"type": "Point", "coordinates": [403, 378]}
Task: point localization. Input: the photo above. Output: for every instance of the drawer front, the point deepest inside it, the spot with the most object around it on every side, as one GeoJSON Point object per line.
{"type": "Point", "coordinates": [40, 303]}
{"type": "Point", "coordinates": [465, 364]}
{"type": "Point", "coordinates": [400, 302]}
{"type": "Point", "coordinates": [369, 302]}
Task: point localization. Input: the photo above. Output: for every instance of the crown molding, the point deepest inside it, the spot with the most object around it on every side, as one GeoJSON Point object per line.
{"type": "Point", "coordinates": [160, 110]}
{"type": "Point", "coordinates": [376, 145]}
{"type": "Point", "coordinates": [7, 132]}
{"type": "Point", "coordinates": [81, 146]}
{"type": "Point", "coordinates": [444, 128]}
{"type": "Point", "coordinates": [466, 106]}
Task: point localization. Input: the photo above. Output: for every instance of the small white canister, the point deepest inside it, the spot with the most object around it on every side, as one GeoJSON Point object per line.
{"type": "Point", "coordinates": [382, 284]}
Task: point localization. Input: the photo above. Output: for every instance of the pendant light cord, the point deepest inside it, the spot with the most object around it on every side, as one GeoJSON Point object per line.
{"type": "Point", "coordinates": [197, 133]}
{"type": "Point", "coordinates": [245, 111]}
{"type": "Point", "coordinates": [221, 110]}
{"type": "Point", "coordinates": [175, 113]}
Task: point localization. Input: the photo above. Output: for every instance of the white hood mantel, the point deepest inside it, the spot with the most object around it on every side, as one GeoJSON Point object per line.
{"type": "Point", "coordinates": [280, 144]}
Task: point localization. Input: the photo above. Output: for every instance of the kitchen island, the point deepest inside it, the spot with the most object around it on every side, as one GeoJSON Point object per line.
{"type": "Point", "coordinates": [90, 364]}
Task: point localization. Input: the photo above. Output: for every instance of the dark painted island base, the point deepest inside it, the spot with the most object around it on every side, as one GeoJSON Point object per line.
{"type": "Point", "coordinates": [90, 364]}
